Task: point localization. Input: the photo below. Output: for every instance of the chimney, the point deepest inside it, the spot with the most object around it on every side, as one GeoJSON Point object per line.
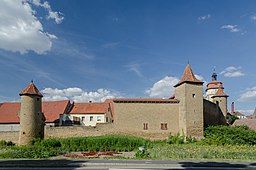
{"type": "Point", "coordinates": [233, 107]}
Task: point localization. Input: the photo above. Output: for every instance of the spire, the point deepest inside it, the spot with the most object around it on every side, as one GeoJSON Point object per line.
{"type": "Point", "coordinates": [31, 90]}
{"type": "Point", "coordinates": [188, 76]}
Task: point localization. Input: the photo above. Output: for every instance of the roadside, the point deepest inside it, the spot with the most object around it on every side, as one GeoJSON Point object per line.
{"type": "Point", "coordinates": [126, 164]}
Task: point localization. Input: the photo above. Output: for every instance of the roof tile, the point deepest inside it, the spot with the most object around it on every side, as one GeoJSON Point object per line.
{"type": "Point", "coordinates": [31, 90]}
{"type": "Point", "coordinates": [188, 76]}
{"type": "Point", "coordinates": [90, 108]}
{"type": "Point", "coordinates": [9, 112]}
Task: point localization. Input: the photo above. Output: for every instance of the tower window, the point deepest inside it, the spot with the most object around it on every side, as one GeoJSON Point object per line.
{"type": "Point", "coordinates": [145, 126]}
{"type": "Point", "coordinates": [163, 126]}
{"type": "Point", "coordinates": [37, 99]}
{"type": "Point", "coordinates": [194, 95]}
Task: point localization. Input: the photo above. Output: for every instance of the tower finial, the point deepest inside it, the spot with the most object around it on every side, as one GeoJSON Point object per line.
{"type": "Point", "coordinates": [214, 74]}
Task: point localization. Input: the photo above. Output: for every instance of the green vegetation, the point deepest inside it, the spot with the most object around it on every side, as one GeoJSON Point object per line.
{"type": "Point", "coordinates": [225, 135]}
{"type": "Point", "coordinates": [194, 151]}
{"type": "Point", "coordinates": [221, 142]}
{"type": "Point", "coordinates": [52, 147]}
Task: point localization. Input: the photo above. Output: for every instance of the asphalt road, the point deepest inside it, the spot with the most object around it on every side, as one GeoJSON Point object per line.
{"type": "Point", "coordinates": [122, 165]}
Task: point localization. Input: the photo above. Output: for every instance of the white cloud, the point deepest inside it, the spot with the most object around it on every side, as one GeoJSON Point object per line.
{"type": "Point", "coordinates": [231, 28]}
{"type": "Point", "coordinates": [56, 16]}
{"type": "Point", "coordinates": [253, 17]}
{"type": "Point", "coordinates": [77, 94]}
{"type": "Point", "coordinates": [205, 17]}
{"type": "Point", "coordinates": [20, 30]}
{"type": "Point", "coordinates": [163, 88]}
{"type": "Point", "coordinates": [135, 68]}
{"type": "Point", "coordinates": [199, 77]}
{"type": "Point", "coordinates": [232, 71]}
{"type": "Point", "coordinates": [248, 95]}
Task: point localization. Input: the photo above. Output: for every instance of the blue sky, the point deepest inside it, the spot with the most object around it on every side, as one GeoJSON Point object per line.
{"type": "Point", "coordinates": [96, 49]}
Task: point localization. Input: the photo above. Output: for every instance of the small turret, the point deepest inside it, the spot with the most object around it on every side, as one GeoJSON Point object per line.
{"type": "Point", "coordinates": [31, 116]}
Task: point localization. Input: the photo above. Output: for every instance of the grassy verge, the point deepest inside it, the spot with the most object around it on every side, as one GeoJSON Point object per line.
{"type": "Point", "coordinates": [199, 152]}
{"type": "Point", "coordinates": [220, 143]}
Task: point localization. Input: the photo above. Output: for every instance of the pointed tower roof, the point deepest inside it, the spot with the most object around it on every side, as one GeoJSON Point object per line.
{"type": "Point", "coordinates": [31, 90]}
{"type": "Point", "coordinates": [188, 77]}
{"type": "Point", "coordinates": [220, 93]}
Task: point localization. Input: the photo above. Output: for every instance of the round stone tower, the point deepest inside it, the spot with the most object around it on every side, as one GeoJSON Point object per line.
{"type": "Point", "coordinates": [31, 116]}
{"type": "Point", "coordinates": [215, 93]}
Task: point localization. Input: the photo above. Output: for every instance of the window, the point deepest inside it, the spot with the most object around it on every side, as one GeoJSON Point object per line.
{"type": "Point", "coordinates": [163, 126]}
{"type": "Point", "coordinates": [194, 95]}
{"type": "Point", "coordinates": [98, 118]}
{"type": "Point", "coordinates": [83, 119]}
{"type": "Point", "coordinates": [106, 119]}
{"type": "Point", "coordinates": [91, 118]}
{"type": "Point", "coordinates": [145, 126]}
{"type": "Point", "coordinates": [37, 99]}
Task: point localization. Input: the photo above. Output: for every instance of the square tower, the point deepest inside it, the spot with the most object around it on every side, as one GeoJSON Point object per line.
{"type": "Point", "coordinates": [189, 91]}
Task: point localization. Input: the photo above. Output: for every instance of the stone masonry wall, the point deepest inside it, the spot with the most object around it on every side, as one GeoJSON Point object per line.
{"type": "Point", "coordinates": [133, 117]}
{"type": "Point", "coordinates": [213, 114]}
{"type": "Point", "coordinates": [10, 136]}
{"type": "Point", "coordinates": [191, 109]}
{"type": "Point", "coordinates": [99, 130]}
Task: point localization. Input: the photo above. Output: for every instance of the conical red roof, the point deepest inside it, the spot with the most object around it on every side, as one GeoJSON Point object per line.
{"type": "Point", "coordinates": [31, 90]}
{"type": "Point", "coordinates": [188, 76]}
{"type": "Point", "coordinates": [220, 93]}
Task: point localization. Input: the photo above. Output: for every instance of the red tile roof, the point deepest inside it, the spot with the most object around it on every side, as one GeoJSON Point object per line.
{"type": "Point", "coordinates": [31, 90]}
{"type": "Point", "coordinates": [52, 110]}
{"type": "Point", "coordinates": [90, 108]}
{"type": "Point", "coordinates": [237, 114]}
{"type": "Point", "coordinates": [214, 85]}
{"type": "Point", "coordinates": [9, 111]}
{"type": "Point", "coordinates": [144, 100]}
{"type": "Point", "coordinates": [251, 123]}
{"type": "Point", "coordinates": [188, 76]}
{"type": "Point", "coordinates": [220, 93]}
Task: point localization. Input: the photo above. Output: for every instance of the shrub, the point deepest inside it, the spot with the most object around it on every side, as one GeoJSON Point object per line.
{"type": "Point", "coordinates": [180, 139]}
{"type": "Point", "coordinates": [223, 135]}
{"type": "Point", "coordinates": [142, 154]}
{"type": "Point", "coordinates": [6, 143]}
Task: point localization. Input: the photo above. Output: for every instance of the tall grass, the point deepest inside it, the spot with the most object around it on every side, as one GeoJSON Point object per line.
{"type": "Point", "coordinates": [96, 143]}
{"type": "Point", "coordinates": [52, 147]}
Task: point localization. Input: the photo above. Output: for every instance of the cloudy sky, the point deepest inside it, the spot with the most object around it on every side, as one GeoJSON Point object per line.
{"type": "Point", "coordinates": [96, 49]}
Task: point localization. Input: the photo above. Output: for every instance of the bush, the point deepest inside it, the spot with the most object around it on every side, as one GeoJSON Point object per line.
{"type": "Point", "coordinates": [95, 143]}
{"type": "Point", "coordinates": [180, 139]}
{"type": "Point", "coordinates": [6, 143]}
{"type": "Point", "coordinates": [142, 154]}
{"type": "Point", "coordinates": [232, 119]}
{"type": "Point", "coordinates": [223, 135]}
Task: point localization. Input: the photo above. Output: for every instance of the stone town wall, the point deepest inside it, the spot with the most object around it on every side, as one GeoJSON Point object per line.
{"type": "Point", "coordinates": [135, 116]}
{"type": "Point", "coordinates": [99, 130]}
{"type": "Point", "coordinates": [213, 114]}
{"type": "Point", "coordinates": [10, 136]}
